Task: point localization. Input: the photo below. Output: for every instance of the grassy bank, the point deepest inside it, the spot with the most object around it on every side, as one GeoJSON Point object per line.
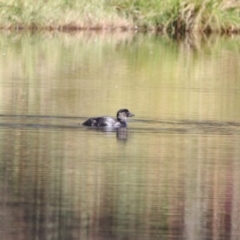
{"type": "Point", "coordinates": [168, 16]}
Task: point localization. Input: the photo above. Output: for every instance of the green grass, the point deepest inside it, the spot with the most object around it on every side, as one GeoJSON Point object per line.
{"type": "Point", "coordinates": [183, 16]}
{"type": "Point", "coordinates": [169, 16]}
{"type": "Point", "coordinates": [59, 14]}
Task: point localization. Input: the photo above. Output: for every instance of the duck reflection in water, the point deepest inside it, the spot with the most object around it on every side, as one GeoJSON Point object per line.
{"type": "Point", "coordinates": [122, 134]}
{"type": "Point", "coordinates": [110, 124]}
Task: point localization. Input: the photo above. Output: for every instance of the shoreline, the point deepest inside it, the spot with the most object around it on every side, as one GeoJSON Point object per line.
{"type": "Point", "coordinates": [156, 30]}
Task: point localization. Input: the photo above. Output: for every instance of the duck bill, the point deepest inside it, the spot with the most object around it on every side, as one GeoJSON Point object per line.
{"type": "Point", "coordinates": [130, 114]}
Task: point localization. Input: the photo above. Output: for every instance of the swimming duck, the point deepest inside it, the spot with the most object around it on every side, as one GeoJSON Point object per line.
{"type": "Point", "coordinates": [121, 120]}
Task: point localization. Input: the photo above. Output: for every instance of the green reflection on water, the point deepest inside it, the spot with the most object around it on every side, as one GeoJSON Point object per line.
{"type": "Point", "coordinates": [86, 74]}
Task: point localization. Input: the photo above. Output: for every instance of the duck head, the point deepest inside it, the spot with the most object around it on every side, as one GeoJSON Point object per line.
{"type": "Point", "coordinates": [123, 114]}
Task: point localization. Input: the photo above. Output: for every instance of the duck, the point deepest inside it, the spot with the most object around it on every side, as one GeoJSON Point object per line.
{"type": "Point", "coordinates": [121, 120]}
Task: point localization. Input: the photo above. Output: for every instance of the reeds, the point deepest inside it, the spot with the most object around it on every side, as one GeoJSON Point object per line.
{"type": "Point", "coordinates": [173, 16]}
{"type": "Point", "coordinates": [59, 14]}
{"type": "Point", "coordinates": [183, 16]}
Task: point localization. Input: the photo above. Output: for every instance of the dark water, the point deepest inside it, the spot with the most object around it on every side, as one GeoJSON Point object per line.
{"type": "Point", "coordinates": [174, 173]}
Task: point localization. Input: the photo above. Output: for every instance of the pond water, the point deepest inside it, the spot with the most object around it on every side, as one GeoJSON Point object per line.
{"type": "Point", "coordinates": [174, 173]}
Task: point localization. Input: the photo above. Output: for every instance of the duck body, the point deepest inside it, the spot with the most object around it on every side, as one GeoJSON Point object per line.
{"type": "Point", "coordinates": [121, 120]}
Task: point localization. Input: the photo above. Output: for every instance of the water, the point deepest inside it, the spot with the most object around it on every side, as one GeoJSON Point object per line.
{"type": "Point", "coordinates": [173, 174]}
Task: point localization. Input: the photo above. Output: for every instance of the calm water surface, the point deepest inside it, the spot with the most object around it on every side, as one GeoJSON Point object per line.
{"type": "Point", "coordinates": [173, 174]}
